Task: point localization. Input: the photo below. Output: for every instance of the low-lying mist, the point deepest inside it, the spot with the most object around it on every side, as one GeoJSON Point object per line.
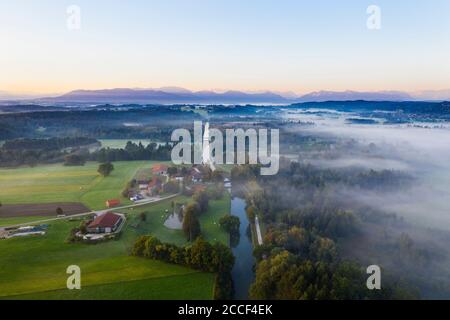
{"type": "Point", "coordinates": [415, 245]}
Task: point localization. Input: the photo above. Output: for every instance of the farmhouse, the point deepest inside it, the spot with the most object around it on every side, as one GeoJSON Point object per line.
{"type": "Point", "coordinates": [112, 203]}
{"type": "Point", "coordinates": [105, 223]}
{"type": "Point", "coordinates": [160, 169]}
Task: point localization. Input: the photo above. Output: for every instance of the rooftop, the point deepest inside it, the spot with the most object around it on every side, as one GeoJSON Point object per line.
{"type": "Point", "coordinates": [107, 220]}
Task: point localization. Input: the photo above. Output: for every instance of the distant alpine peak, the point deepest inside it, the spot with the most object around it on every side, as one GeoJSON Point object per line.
{"type": "Point", "coordinates": [175, 95]}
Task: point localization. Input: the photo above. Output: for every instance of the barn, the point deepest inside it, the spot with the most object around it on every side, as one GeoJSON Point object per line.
{"type": "Point", "coordinates": [105, 223]}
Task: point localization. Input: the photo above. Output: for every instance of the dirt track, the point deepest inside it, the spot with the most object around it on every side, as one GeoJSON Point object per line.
{"type": "Point", "coordinates": [41, 209]}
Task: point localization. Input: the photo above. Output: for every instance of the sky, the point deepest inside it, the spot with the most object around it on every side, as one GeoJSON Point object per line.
{"type": "Point", "coordinates": [251, 45]}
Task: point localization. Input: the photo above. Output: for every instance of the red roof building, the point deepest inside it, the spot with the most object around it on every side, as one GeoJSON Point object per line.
{"type": "Point", "coordinates": [105, 223]}
{"type": "Point", "coordinates": [160, 169]}
{"type": "Point", "coordinates": [112, 203]}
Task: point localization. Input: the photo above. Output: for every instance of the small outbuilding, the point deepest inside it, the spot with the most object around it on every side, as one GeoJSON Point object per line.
{"type": "Point", "coordinates": [112, 203]}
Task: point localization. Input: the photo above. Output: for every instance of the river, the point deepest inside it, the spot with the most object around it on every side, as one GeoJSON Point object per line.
{"type": "Point", "coordinates": [242, 272]}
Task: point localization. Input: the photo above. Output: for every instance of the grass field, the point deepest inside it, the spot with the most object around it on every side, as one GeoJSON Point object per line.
{"type": "Point", "coordinates": [34, 267]}
{"type": "Point", "coordinates": [177, 287]}
{"type": "Point", "coordinates": [57, 183]}
{"type": "Point", "coordinates": [4, 222]}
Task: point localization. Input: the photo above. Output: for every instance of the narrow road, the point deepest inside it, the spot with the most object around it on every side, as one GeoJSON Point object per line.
{"type": "Point", "coordinates": [258, 231]}
{"type": "Point", "coordinates": [143, 203]}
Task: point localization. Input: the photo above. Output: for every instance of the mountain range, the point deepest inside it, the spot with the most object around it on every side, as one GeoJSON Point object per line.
{"type": "Point", "coordinates": [176, 95]}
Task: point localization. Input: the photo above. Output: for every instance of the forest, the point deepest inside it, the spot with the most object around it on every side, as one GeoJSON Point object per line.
{"type": "Point", "coordinates": [307, 225]}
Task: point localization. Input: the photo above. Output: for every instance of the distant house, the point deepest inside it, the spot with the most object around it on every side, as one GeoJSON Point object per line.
{"type": "Point", "coordinates": [105, 223]}
{"type": "Point", "coordinates": [178, 177]}
{"type": "Point", "coordinates": [143, 186]}
{"type": "Point", "coordinates": [160, 169]}
{"type": "Point", "coordinates": [112, 203]}
{"type": "Point", "coordinates": [196, 175]}
{"type": "Point", "coordinates": [154, 186]}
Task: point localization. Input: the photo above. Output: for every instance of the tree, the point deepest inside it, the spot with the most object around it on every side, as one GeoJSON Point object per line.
{"type": "Point", "coordinates": [105, 169]}
{"type": "Point", "coordinates": [83, 227]}
{"type": "Point", "coordinates": [216, 192]}
{"type": "Point", "coordinates": [143, 216]}
{"type": "Point", "coordinates": [222, 258]}
{"type": "Point", "coordinates": [59, 211]}
{"type": "Point", "coordinates": [230, 224]}
{"type": "Point", "coordinates": [191, 225]}
{"type": "Point", "coordinates": [172, 171]}
{"type": "Point", "coordinates": [201, 197]}
{"type": "Point", "coordinates": [217, 176]}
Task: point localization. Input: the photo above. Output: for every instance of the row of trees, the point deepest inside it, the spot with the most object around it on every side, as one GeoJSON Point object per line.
{"type": "Point", "coordinates": [48, 144]}
{"type": "Point", "coordinates": [133, 151]}
{"type": "Point", "coordinates": [32, 152]}
{"type": "Point", "coordinates": [200, 255]}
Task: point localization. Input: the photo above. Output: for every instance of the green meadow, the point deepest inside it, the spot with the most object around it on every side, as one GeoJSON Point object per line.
{"type": "Point", "coordinates": [156, 215]}
{"type": "Point", "coordinates": [5, 222]}
{"type": "Point", "coordinates": [58, 183]}
{"type": "Point", "coordinates": [35, 267]}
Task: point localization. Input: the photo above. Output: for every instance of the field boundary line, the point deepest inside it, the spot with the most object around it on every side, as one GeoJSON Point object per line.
{"type": "Point", "coordinates": [91, 212]}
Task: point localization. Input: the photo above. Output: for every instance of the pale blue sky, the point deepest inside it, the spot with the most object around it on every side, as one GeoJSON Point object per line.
{"type": "Point", "coordinates": [279, 45]}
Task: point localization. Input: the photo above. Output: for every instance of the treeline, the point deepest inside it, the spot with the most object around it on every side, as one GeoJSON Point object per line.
{"type": "Point", "coordinates": [300, 175]}
{"type": "Point", "coordinates": [200, 255]}
{"type": "Point", "coordinates": [15, 158]}
{"type": "Point", "coordinates": [32, 152]}
{"type": "Point", "coordinates": [133, 151]}
{"type": "Point", "coordinates": [102, 122]}
{"type": "Point", "coordinates": [44, 151]}
{"type": "Point", "coordinates": [48, 144]}
{"type": "Point", "coordinates": [306, 175]}
{"type": "Point", "coordinates": [286, 276]}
